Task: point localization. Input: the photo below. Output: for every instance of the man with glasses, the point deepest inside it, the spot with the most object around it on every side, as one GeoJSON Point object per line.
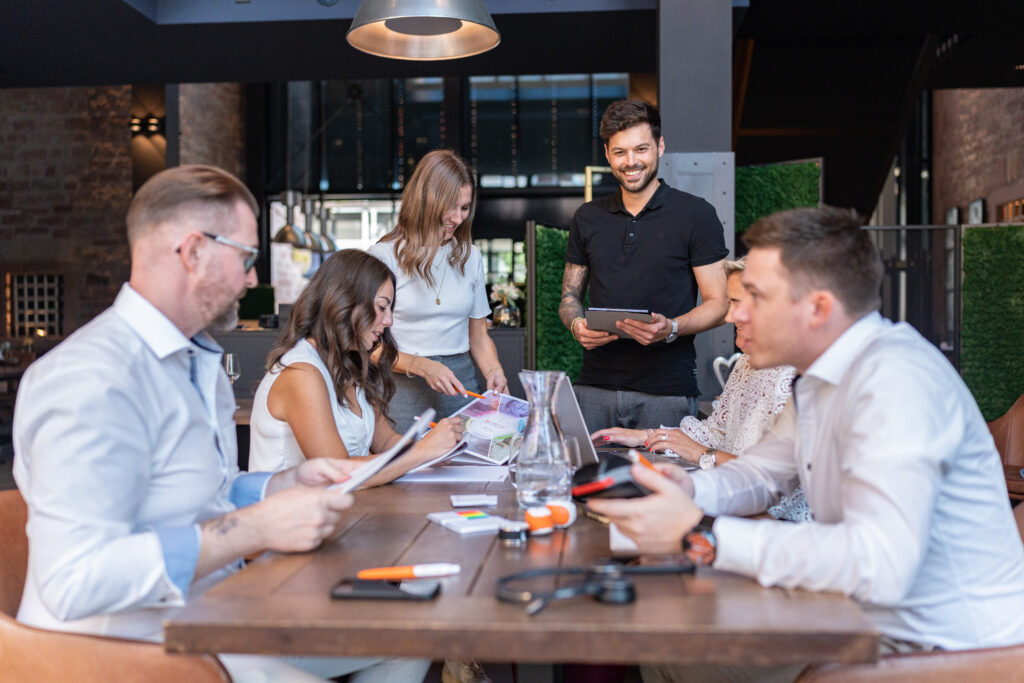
{"type": "Point", "coordinates": [125, 442]}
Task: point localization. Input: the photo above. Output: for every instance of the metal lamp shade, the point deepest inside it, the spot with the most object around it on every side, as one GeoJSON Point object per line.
{"type": "Point", "coordinates": [423, 29]}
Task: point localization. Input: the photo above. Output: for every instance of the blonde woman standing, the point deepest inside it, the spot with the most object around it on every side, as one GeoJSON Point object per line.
{"type": "Point", "coordinates": [441, 306]}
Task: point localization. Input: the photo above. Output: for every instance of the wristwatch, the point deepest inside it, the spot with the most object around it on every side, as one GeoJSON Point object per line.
{"type": "Point", "coordinates": [708, 459]}
{"type": "Point", "coordinates": [674, 333]}
{"type": "Point", "coordinates": [699, 544]}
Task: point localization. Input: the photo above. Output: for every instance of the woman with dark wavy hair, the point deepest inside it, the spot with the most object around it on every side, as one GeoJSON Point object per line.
{"type": "Point", "coordinates": [440, 321]}
{"type": "Point", "coordinates": [322, 395]}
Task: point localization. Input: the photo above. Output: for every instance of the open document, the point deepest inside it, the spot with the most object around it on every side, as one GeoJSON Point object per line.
{"type": "Point", "coordinates": [492, 430]}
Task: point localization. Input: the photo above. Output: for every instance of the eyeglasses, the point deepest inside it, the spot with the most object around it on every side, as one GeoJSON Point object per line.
{"type": "Point", "coordinates": [253, 252]}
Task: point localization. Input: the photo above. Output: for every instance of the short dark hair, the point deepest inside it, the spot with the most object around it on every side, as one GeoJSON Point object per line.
{"type": "Point", "coordinates": [623, 114]}
{"type": "Point", "coordinates": [824, 248]}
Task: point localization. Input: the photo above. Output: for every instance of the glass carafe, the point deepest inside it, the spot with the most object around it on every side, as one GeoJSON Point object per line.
{"type": "Point", "coordinates": [543, 473]}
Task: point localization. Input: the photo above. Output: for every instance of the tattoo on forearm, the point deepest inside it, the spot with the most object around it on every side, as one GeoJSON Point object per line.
{"type": "Point", "coordinates": [221, 525]}
{"type": "Point", "coordinates": [574, 283]}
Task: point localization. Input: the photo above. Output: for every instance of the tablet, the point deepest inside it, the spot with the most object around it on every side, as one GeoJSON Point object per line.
{"type": "Point", "coordinates": [603, 319]}
{"type": "Point", "coordinates": [401, 447]}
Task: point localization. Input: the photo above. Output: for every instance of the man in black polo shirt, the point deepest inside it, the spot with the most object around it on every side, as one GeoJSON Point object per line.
{"type": "Point", "coordinates": [649, 247]}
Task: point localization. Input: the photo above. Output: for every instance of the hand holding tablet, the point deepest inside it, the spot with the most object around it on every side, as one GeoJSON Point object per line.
{"type": "Point", "coordinates": [604, 319]}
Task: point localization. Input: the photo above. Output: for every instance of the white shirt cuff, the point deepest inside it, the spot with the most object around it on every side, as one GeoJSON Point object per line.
{"type": "Point", "coordinates": [737, 545]}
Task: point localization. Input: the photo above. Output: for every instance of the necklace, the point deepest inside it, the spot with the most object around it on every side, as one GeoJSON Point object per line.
{"type": "Point", "coordinates": [437, 290]}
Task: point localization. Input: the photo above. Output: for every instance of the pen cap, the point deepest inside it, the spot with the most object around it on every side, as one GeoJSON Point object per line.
{"type": "Point", "coordinates": [539, 520]}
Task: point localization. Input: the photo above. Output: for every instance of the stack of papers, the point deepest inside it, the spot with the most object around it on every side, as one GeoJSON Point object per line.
{"type": "Point", "coordinates": [455, 473]}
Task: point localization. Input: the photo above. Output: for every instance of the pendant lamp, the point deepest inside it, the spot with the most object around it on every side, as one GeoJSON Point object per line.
{"type": "Point", "coordinates": [423, 29]}
{"type": "Point", "coordinates": [288, 234]}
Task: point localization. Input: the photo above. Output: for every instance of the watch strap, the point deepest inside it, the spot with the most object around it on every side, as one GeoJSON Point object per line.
{"type": "Point", "coordinates": [674, 333]}
{"type": "Point", "coordinates": [699, 544]}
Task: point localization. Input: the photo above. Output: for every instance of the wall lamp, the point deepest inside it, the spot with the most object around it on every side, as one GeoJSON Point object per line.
{"type": "Point", "coordinates": [423, 30]}
{"type": "Point", "coordinates": [147, 125]}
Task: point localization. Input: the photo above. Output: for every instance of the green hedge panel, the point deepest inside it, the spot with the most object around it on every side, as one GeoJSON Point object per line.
{"type": "Point", "coordinates": [993, 316]}
{"type": "Point", "coordinates": [556, 348]}
{"type": "Point", "coordinates": [761, 190]}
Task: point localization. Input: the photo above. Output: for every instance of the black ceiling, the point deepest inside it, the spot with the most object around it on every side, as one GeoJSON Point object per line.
{"type": "Point", "coordinates": [827, 78]}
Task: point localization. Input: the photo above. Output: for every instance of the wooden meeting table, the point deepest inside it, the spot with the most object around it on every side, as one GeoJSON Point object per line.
{"type": "Point", "coordinates": [279, 604]}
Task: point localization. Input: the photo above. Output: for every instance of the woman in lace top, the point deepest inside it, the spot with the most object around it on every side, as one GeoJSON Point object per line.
{"type": "Point", "coordinates": [749, 403]}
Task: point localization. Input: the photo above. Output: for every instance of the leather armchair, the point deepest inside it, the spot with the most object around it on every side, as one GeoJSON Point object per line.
{"type": "Point", "coordinates": [30, 654]}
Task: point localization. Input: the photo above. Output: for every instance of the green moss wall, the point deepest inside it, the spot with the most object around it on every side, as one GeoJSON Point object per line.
{"type": "Point", "coordinates": [761, 190]}
{"type": "Point", "coordinates": [556, 348]}
{"type": "Point", "coordinates": [993, 316]}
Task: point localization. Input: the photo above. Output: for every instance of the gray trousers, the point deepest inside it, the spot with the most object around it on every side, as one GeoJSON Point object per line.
{"type": "Point", "coordinates": [603, 408]}
{"type": "Point", "coordinates": [413, 396]}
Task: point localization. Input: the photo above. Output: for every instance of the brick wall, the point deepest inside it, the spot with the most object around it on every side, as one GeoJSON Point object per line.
{"type": "Point", "coordinates": [65, 184]}
{"type": "Point", "coordinates": [979, 149]}
{"type": "Point", "coordinates": [213, 125]}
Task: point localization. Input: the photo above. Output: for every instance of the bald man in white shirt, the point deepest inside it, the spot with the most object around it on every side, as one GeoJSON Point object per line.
{"type": "Point", "coordinates": [910, 511]}
{"type": "Point", "coordinates": [125, 442]}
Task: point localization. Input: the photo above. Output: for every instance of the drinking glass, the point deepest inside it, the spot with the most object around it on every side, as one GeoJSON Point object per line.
{"type": "Point", "coordinates": [232, 367]}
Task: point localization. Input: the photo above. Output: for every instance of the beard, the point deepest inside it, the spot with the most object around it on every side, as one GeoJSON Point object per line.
{"type": "Point", "coordinates": [649, 174]}
{"type": "Point", "coordinates": [219, 305]}
{"type": "Point", "coordinates": [226, 321]}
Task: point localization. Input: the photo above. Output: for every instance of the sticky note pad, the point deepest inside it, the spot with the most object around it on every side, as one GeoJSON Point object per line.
{"type": "Point", "coordinates": [466, 521]}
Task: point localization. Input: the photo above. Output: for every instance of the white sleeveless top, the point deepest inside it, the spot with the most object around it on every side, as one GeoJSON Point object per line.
{"type": "Point", "coordinates": [272, 445]}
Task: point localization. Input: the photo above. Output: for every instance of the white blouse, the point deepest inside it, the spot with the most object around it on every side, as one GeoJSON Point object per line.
{"type": "Point", "coordinates": [749, 403]}
{"type": "Point", "coordinates": [422, 326]}
{"type": "Point", "coordinates": [272, 445]}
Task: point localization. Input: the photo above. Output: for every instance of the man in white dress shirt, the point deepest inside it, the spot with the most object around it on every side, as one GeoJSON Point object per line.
{"type": "Point", "coordinates": [125, 441]}
{"type": "Point", "coordinates": [910, 510]}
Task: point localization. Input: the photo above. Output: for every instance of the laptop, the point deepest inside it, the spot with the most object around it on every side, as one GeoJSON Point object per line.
{"type": "Point", "coordinates": [570, 421]}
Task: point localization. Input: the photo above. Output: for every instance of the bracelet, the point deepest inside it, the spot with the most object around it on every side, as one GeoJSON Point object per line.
{"type": "Point", "coordinates": [572, 326]}
{"type": "Point", "coordinates": [408, 367]}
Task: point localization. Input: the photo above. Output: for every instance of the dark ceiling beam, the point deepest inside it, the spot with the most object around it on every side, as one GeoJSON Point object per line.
{"type": "Point", "coordinates": [106, 42]}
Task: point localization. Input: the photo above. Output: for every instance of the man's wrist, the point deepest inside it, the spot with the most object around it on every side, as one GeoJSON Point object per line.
{"type": "Point", "coordinates": [674, 332]}
{"type": "Point", "coordinates": [699, 543]}
{"type": "Point", "coordinates": [572, 326]}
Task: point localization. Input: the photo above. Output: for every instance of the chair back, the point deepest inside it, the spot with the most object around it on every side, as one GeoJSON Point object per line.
{"type": "Point", "coordinates": [1008, 433]}
{"type": "Point", "coordinates": [14, 557]}
{"type": "Point", "coordinates": [30, 654]}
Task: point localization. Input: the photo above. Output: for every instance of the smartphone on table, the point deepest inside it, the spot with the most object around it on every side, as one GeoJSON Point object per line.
{"type": "Point", "coordinates": [382, 589]}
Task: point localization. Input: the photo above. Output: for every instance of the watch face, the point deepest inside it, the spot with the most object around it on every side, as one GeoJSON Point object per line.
{"type": "Point", "coordinates": [706, 461]}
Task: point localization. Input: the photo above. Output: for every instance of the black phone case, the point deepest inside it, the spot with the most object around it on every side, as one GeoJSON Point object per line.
{"type": "Point", "coordinates": [378, 589]}
{"type": "Point", "coordinates": [624, 487]}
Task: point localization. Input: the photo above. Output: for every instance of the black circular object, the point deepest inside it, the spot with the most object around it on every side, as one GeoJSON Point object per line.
{"type": "Point", "coordinates": [608, 582]}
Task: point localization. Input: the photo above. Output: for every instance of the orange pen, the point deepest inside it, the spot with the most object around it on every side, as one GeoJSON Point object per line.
{"type": "Point", "coordinates": [637, 456]}
{"type": "Point", "coordinates": [474, 394]}
{"type": "Point", "coordinates": [410, 571]}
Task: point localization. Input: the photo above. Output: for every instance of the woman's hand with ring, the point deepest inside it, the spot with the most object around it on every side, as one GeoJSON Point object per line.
{"type": "Point", "coordinates": [676, 441]}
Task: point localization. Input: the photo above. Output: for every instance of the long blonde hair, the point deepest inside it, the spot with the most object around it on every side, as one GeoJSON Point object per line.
{"type": "Point", "coordinates": [432, 190]}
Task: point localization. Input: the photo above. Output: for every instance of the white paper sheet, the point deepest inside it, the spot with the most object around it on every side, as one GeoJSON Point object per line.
{"type": "Point", "coordinates": [456, 473]}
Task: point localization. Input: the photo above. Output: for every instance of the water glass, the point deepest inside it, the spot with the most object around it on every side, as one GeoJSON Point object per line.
{"type": "Point", "coordinates": [232, 367]}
